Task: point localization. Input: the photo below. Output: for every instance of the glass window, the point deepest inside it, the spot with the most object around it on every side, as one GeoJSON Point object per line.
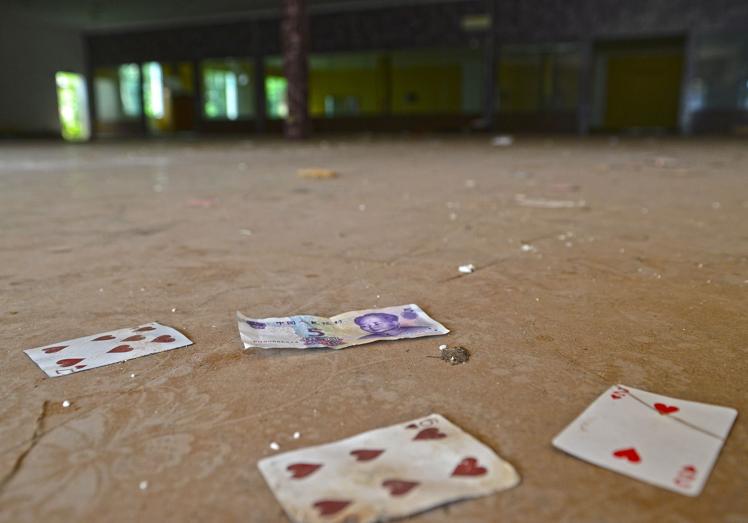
{"type": "Point", "coordinates": [540, 77]}
{"type": "Point", "coordinates": [117, 93]}
{"type": "Point", "coordinates": [720, 73]}
{"type": "Point", "coordinates": [228, 92]}
{"type": "Point", "coordinates": [72, 105]}
{"type": "Point", "coordinates": [275, 89]}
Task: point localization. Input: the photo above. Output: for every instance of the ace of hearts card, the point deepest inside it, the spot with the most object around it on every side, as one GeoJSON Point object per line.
{"type": "Point", "coordinates": [667, 442]}
{"type": "Point", "coordinates": [385, 473]}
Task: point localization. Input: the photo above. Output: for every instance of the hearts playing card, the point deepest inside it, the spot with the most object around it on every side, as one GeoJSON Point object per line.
{"type": "Point", "coordinates": [102, 349]}
{"type": "Point", "coordinates": [668, 442]}
{"type": "Point", "coordinates": [385, 473]}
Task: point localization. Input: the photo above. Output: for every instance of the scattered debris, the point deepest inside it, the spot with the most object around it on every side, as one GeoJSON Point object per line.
{"type": "Point", "coordinates": [503, 140]}
{"type": "Point", "coordinates": [317, 174]}
{"type": "Point", "coordinates": [174, 310]}
{"type": "Point", "coordinates": [455, 356]}
{"type": "Point", "coordinates": [274, 445]}
{"type": "Point", "coordinates": [296, 435]}
{"type": "Point", "coordinates": [143, 485]}
{"type": "Point", "coordinates": [205, 203]}
{"type": "Point", "coordinates": [132, 375]}
{"type": "Point", "coordinates": [526, 247]}
{"type": "Point", "coordinates": [466, 269]}
{"type": "Point", "coordinates": [65, 404]}
{"type": "Point", "coordinates": [665, 161]}
{"type": "Point", "coordinates": [544, 203]}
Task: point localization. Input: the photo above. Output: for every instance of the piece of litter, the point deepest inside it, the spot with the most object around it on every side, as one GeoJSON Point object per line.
{"type": "Point", "coordinates": [632, 431]}
{"type": "Point", "coordinates": [132, 375]}
{"type": "Point", "coordinates": [296, 435]}
{"type": "Point", "coordinates": [341, 331]}
{"type": "Point", "coordinates": [106, 348]}
{"type": "Point", "coordinates": [274, 445]}
{"type": "Point", "coordinates": [455, 356]}
{"type": "Point", "coordinates": [202, 202]}
{"type": "Point", "coordinates": [466, 269]}
{"type": "Point", "coordinates": [65, 404]}
{"type": "Point", "coordinates": [502, 141]}
{"type": "Point", "coordinates": [526, 247]}
{"type": "Point", "coordinates": [442, 347]}
{"type": "Point", "coordinates": [317, 174]}
{"type": "Point", "coordinates": [143, 485]}
{"type": "Point", "coordinates": [387, 473]}
{"type": "Point", "coordinates": [543, 203]}
{"type": "Point", "coordinates": [174, 310]}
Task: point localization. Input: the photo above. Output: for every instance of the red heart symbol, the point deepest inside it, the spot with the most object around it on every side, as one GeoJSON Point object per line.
{"type": "Point", "coordinates": [121, 348]}
{"type": "Point", "coordinates": [137, 337]}
{"type": "Point", "coordinates": [302, 470]}
{"type": "Point", "coordinates": [411, 426]}
{"type": "Point", "coordinates": [328, 507]}
{"type": "Point", "coordinates": [469, 467]}
{"type": "Point", "coordinates": [50, 350]}
{"type": "Point", "coordinates": [366, 454]}
{"type": "Point", "coordinates": [104, 338]}
{"type": "Point", "coordinates": [143, 329]}
{"type": "Point", "coordinates": [630, 454]}
{"type": "Point", "coordinates": [665, 409]}
{"type": "Point", "coordinates": [164, 338]}
{"type": "Point", "coordinates": [399, 487]}
{"type": "Point", "coordinates": [69, 362]}
{"type": "Point", "coordinates": [430, 433]}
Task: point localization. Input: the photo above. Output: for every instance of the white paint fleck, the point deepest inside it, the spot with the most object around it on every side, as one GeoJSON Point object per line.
{"type": "Point", "coordinates": [466, 269]}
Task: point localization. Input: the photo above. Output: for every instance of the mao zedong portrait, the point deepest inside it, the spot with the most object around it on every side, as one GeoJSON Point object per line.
{"type": "Point", "coordinates": [382, 325]}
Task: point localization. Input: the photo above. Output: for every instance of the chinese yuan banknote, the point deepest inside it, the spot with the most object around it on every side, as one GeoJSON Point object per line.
{"type": "Point", "coordinates": [338, 332]}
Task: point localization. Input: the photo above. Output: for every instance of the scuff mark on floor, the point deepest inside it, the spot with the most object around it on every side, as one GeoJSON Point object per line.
{"type": "Point", "coordinates": [38, 433]}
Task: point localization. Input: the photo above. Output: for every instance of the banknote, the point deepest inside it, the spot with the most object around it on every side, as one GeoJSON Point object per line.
{"type": "Point", "coordinates": [338, 332]}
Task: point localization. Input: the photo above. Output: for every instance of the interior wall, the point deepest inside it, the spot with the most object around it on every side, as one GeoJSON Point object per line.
{"type": "Point", "coordinates": [30, 53]}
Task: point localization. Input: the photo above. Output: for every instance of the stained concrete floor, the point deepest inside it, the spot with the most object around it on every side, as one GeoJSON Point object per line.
{"type": "Point", "coordinates": [646, 284]}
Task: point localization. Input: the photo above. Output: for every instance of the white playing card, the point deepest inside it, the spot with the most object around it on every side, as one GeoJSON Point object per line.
{"type": "Point", "coordinates": [105, 348]}
{"type": "Point", "coordinates": [385, 473]}
{"type": "Point", "coordinates": [668, 442]}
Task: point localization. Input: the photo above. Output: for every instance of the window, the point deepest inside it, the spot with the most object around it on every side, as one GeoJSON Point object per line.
{"type": "Point", "coordinates": [228, 92]}
{"type": "Point", "coordinates": [72, 104]}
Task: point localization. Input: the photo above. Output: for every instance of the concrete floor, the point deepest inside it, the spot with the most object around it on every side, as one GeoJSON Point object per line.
{"type": "Point", "coordinates": [646, 285]}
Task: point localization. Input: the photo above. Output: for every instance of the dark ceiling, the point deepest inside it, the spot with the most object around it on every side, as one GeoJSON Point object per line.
{"type": "Point", "coordinates": [100, 14]}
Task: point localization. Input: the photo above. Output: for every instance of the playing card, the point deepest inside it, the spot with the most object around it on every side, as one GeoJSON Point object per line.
{"type": "Point", "coordinates": [668, 442]}
{"type": "Point", "coordinates": [101, 349]}
{"type": "Point", "coordinates": [386, 473]}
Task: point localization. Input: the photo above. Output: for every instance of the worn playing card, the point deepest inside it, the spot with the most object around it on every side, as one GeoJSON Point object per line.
{"type": "Point", "coordinates": [97, 350]}
{"type": "Point", "coordinates": [668, 442]}
{"type": "Point", "coordinates": [386, 473]}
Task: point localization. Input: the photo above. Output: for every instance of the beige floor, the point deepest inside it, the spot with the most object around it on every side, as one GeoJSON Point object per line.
{"type": "Point", "coordinates": [647, 285]}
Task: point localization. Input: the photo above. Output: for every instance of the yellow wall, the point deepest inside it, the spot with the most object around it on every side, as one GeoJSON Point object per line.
{"type": "Point", "coordinates": [366, 84]}
{"type": "Point", "coordinates": [643, 90]}
{"type": "Point", "coordinates": [437, 89]}
{"type": "Point", "coordinates": [519, 86]}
